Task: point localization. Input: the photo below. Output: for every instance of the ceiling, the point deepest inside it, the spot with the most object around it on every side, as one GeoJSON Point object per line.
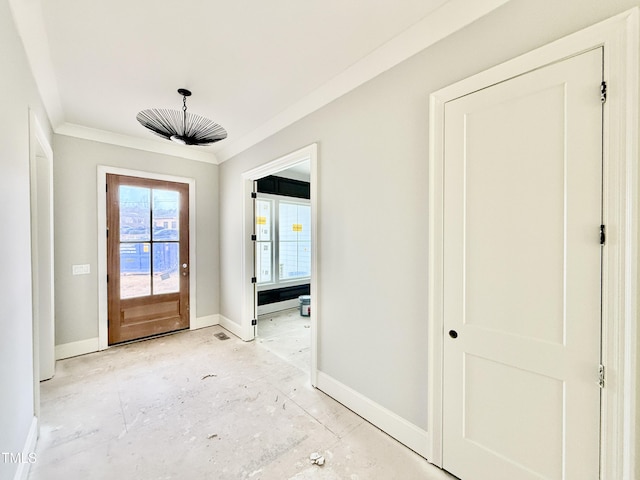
{"type": "Point", "coordinates": [253, 66]}
{"type": "Point", "coordinates": [301, 171]}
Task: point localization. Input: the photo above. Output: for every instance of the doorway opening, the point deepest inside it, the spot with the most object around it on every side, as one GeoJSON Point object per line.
{"type": "Point", "coordinates": [280, 257]}
{"type": "Point", "coordinates": [187, 223]}
{"type": "Point", "coordinates": [283, 263]}
{"type": "Point", "coordinates": [41, 179]}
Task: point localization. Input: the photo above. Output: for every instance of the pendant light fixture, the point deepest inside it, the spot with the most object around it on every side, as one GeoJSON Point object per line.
{"type": "Point", "coordinates": [181, 127]}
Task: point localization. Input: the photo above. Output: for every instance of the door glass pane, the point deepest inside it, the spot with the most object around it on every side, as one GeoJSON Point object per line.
{"type": "Point", "coordinates": [304, 259]}
{"type": "Point", "coordinates": [304, 222]}
{"type": "Point", "coordinates": [264, 251]}
{"type": "Point", "coordinates": [288, 260]}
{"type": "Point", "coordinates": [166, 205]}
{"type": "Point", "coordinates": [263, 220]}
{"type": "Point", "coordinates": [295, 241]}
{"type": "Point", "coordinates": [264, 257]}
{"type": "Point", "coordinates": [134, 214]}
{"type": "Point", "coordinates": [166, 271]}
{"type": "Point", "coordinates": [135, 270]}
{"type": "Point", "coordinates": [295, 260]}
{"type": "Point", "coordinates": [288, 222]}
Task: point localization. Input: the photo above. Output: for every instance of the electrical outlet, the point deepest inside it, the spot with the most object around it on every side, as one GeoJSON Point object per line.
{"type": "Point", "coordinates": [81, 269]}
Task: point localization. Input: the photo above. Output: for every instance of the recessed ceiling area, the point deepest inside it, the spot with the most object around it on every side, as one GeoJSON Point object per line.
{"type": "Point", "coordinates": [253, 67]}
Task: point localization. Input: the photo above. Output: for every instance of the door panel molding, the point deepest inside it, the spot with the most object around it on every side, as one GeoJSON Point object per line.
{"type": "Point", "coordinates": [619, 37]}
{"type": "Point", "coordinates": [102, 171]}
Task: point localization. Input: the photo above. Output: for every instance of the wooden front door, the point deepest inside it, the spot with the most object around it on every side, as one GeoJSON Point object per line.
{"type": "Point", "coordinates": [147, 257]}
{"type": "Point", "coordinates": [522, 276]}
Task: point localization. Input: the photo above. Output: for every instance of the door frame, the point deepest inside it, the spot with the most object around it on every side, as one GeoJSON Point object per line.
{"type": "Point", "coordinates": [103, 304]}
{"type": "Point", "coordinates": [309, 153]}
{"type": "Point", "coordinates": [43, 330]}
{"type": "Point", "coordinates": [619, 37]}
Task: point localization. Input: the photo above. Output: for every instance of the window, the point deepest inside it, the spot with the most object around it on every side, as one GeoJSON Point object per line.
{"type": "Point", "coordinates": [264, 245]}
{"type": "Point", "coordinates": [294, 247]}
{"type": "Point", "coordinates": [284, 239]}
{"type": "Point", "coordinates": [149, 257]}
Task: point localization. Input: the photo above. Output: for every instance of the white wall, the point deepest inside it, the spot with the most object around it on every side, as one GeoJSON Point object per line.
{"type": "Point", "coordinates": [76, 224]}
{"type": "Point", "coordinates": [16, 352]}
{"type": "Point", "coordinates": [372, 197]}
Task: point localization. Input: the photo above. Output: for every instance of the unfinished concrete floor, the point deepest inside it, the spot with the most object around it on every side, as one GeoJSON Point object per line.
{"type": "Point", "coordinates": [287, 334]}
{"type": "Point", "coordinates": [191, 406]}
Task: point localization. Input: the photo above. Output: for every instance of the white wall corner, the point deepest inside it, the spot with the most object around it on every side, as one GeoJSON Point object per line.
{"type": "Point", "coordinates": [402, 430]}
{"type": "Point", "coordinates": [203, 322]}
{"type": "Point", "coordinates": [243, 333]}
{"type": "Point", "coordinates": [28, 452]}
{"type": "Point", "coordinates": [73, 349]}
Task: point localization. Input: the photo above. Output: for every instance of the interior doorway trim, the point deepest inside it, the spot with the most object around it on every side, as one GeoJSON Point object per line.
{"type": "Point", "coordinates": [42, 259]}
{"type": "Point", "coordinates": [619, 37]}
{"type": "Point", "coordinates": [103, 324]}
{"type": "Point", "coordinates": [308, 153]}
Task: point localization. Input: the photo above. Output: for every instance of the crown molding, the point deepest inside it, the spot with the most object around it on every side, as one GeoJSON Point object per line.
{"type": "Point", "coordinates": [447, 19]}
{"type": "Point", "coordinates": [156, 146]}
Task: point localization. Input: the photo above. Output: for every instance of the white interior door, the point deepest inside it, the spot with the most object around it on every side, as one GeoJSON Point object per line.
{"type": "Point", "coordinates": [522, 276]}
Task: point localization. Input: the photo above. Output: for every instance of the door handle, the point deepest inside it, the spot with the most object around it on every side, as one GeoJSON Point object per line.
{"type": "Point", "coordinates": [453, 334]}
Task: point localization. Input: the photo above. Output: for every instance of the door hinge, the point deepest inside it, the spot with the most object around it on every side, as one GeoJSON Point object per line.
{"type": "Point", "coordinates": [254, 280]}
{"type": "Point", "coordinates": [603, 91]}
{"type": "Point", "coordinates": [254, 195]}
{"type": "Point", "coordinates": [254, 238]}
{"type": "Point", "coordinates": [603, 236]}
{"type": "Point", "coordinates": [601, 376]}
{"type": "Point", "coordinates": [254, 322]}
{"type": "Point", "coordinates": [107, 278]}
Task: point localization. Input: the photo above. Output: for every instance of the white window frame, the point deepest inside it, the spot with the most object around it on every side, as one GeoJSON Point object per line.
{"type": "Point", "coordinates": [276, 282]}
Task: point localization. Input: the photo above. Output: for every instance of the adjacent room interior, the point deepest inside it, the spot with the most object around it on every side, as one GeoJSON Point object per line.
{"type": "Point", "coordinates": [283, 263]}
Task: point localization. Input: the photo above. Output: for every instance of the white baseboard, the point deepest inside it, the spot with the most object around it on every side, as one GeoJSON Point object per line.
{"type": "Point", "coordinates": [278, 306]}
{"type": "Point", "coordinates": [22, 473]}
{"type": "Point", "coordinates": [73, 349]}
{"type": "Point", "coordinates": [238, 330]}
{"type": "Point", "coordinates": [405, 432]}
{"type": "Point", "coordinates": [203, 322]}
{"type": "Point", "coordinates": [90, 345]}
